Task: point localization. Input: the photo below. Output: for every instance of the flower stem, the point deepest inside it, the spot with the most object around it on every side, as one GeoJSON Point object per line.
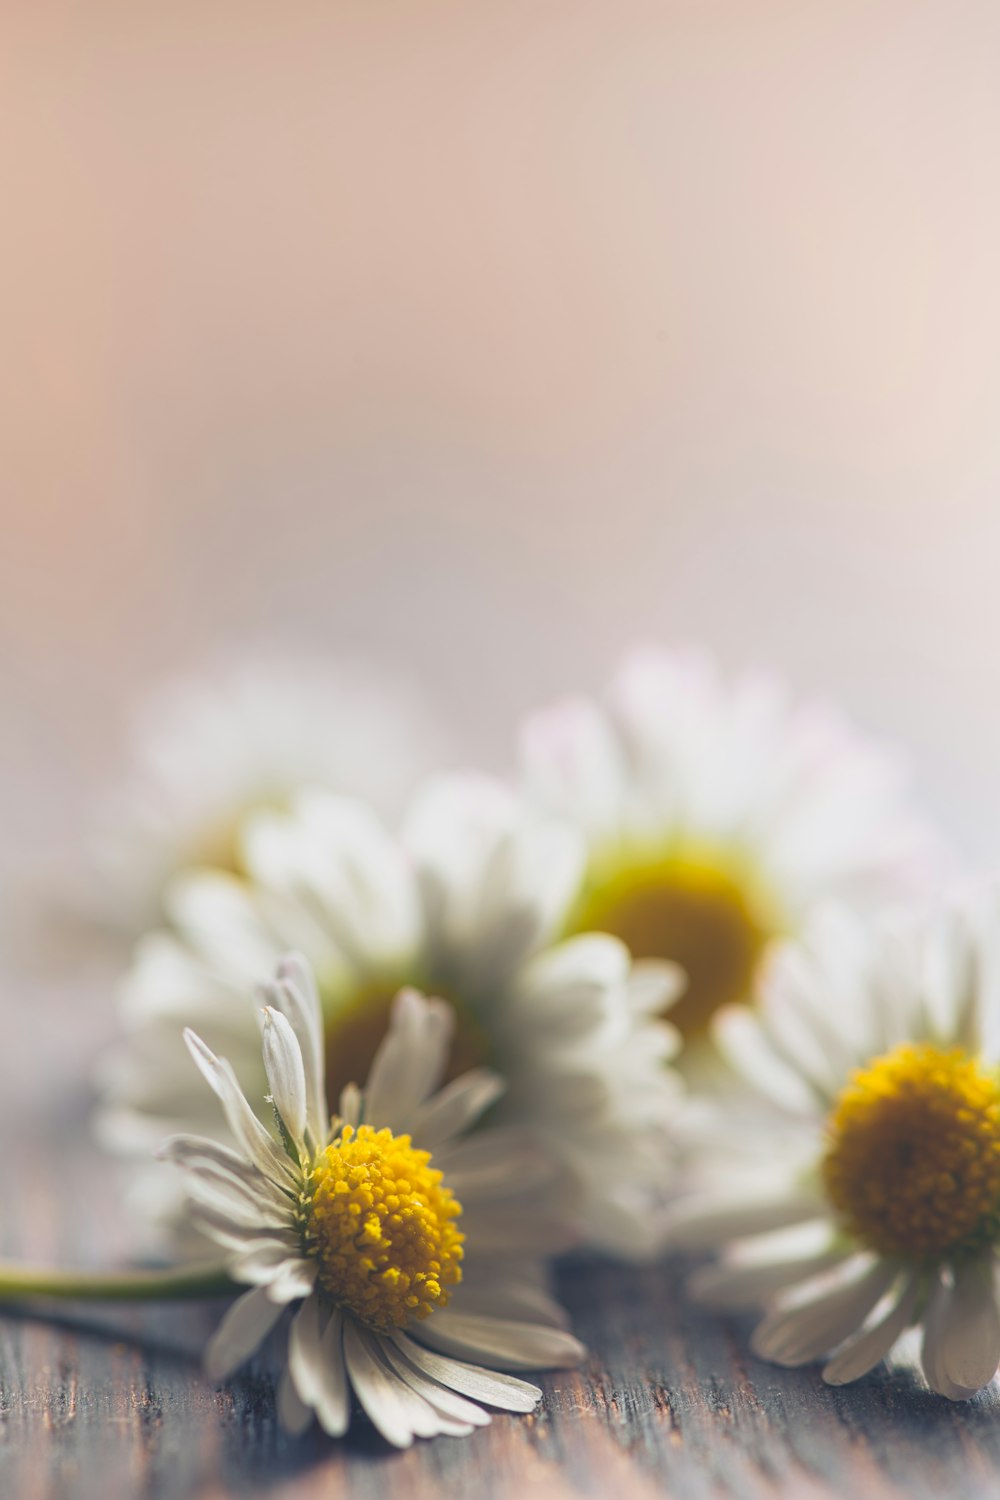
{"type": "Point", "coordinates": [18, 1283]}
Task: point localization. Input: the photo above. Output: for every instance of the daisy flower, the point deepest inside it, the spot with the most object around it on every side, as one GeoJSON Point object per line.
{"type": "Point", "coordinates": [716, 817]}
{"type": "Point", "coordinates": [465, 903]}
{"type": "Point", "coordinates": [867, 1198]}
{"type": "Point", "coordinates": [408, 1249]}
{"type": "Point", "coordinates": [243, 735]}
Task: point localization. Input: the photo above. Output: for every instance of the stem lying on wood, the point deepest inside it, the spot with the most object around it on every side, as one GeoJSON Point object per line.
{"type": "Point", "coordinates": [18, 1283]}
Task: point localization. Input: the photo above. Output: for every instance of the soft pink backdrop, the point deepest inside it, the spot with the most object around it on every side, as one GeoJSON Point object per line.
{"type": "Point", "coordinates": [485, 337]}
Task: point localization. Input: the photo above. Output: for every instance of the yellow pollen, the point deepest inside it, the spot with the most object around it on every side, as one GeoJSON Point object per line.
{"type": "Point", "coordinates": [355, 1028]}
{"type": "Point", "coordinates": [380, 1223]}
{"type": "Point", "coordinates": [913, 1153]}
{"type": "Point", "coordinates": [692, 909]}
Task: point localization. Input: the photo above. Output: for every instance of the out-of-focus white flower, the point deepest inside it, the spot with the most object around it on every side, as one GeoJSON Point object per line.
{"type": "Point", "coordinates": [410, 1249]}
{"type": "Point", "coordinates": [243, 735]}
{"type": "Point", "coordinates": [717, 817]}
{"type": "Point", "coordinates": [463, 905]}
{"type": "Point", "coordinates": [866, 1194]}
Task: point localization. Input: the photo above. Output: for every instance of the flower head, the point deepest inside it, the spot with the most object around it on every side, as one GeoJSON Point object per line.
{"type": "Point", "coordinates": [244, 735]}
{"type": "Point", "coordinates": [410, 1250]}
{"type": "Point", "coordinates": [716, 818]}
{"type": "Point", "coordinates": [465, 903]}
{"type": "Point", "coordinates": [866, 1192]}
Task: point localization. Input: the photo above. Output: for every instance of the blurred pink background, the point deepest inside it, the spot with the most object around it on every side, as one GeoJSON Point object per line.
{"type": "Point", "coordinates": [486, 337]}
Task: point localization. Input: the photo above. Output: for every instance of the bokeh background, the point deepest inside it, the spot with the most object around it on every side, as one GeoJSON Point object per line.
{"type": "Point", "coordinates": [483, 338]}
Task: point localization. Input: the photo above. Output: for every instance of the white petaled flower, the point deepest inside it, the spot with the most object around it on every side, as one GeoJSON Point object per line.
{"type": "Point", "coordinates": [409, 1249]}
{"type": "Point", "coordinates": [243, 735]}
{"type": "Point", "coordinates": [867, 1197]}
{"type": "Point", "coordinates": [465, 903]}
{"type": "Point", "coordinates": [716, 817]}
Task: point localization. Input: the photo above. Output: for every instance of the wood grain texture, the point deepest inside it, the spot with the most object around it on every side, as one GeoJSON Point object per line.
{"type": "Point", "coordinates": [109, 1404]}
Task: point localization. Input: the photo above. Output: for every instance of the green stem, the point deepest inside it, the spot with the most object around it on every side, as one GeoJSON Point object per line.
{"type": "Point", "coordinates": [18, 1283]}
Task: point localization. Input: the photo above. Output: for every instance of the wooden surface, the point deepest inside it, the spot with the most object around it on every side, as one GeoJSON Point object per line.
{"type": "Point", "coordinates": [110, 1405]}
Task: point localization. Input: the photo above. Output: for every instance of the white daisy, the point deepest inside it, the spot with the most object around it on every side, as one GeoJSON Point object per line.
{"type": "Point", "coordinates": [867, 1198]}
{"type": "Point", "coordinates": [410, 1250]}
{"type": "Point", "coordinates": [463, 904]}
{"type": "Point", "coordinates": [242, 735]}
{"type": "Point", "coordinates": [716, 817]}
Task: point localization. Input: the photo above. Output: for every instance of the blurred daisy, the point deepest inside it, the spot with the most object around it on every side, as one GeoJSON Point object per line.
{"type": "Point", "coordinates": [870, 1199]}
{"type": "Point", "coordinates": [465, 905]}
{"type": "Point", "coordinates": [244, 735]}
{"type": "Point", "coordinates": [409, 1250]}
{"type": "Point", "coordinates": [716, 817]}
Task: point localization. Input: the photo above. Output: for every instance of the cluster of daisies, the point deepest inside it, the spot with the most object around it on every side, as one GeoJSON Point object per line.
{"type": "Point", "coordinates": [682, 981]}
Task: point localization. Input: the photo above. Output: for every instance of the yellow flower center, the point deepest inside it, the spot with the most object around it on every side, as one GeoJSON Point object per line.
{"type": "Point", "coordinates": [355, 1028]}
{"type": "Point", "coordinates": [913, 1153]}
{"type": "Point", "coordinates": [691, 909]}
{"type": "Point", "coordinates": [380, 1222]}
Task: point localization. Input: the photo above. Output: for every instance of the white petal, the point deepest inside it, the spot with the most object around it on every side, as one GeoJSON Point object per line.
{"type": "Point", "coordinates": [455, 1107]}
{"type": "Point", "coordinates": [500, 1227]}
{"type": "Point", "coordinates": [517, 1166]}
{"type": "Point", "coordinates": [489, 1150]}
{"type": "Point", "coordinates": [396, 1410]}
{"type": "Point", "coordinates": [258, 1261]}
{"type": "Point", "coordinates": [243, 1329]}
{"type": "Point", "coordinates": [654, 984]}
{"type": "Point", "coordinates": [746, 1047]}
{"type": "Point", "coordinates": [797, 1335]}
{"type": "Point", "coordinates": [218, 1164]}
{"type": "Point", "coordinates": [862, 1354]}
{"type": "Point", "coordinates": [316, 1363]}
{"type": "Point", "coordinates": [410, 1060]}
{"type": "Point", "coordinates": [293, 1413]}
{"type": "Point", "coordinates": [293, 1279]}
{"type": "Point", "coordinates": [241, 1209]}
{"type": "Point", "coordinates": [510, 1298]}
{"type": "Point", "coordinates": [218, 917]}
{"type": "Point", "coordinates": [351, 1105]}
{"type": "Point", "coordinates": [295, 973]}
{"type": "Point", "coordinates": [298, 998]}
{"type": "Point", "coordinates": [564, 992]}
{"type": "Point", "coordinates": [333, 1404]}
{"type": "Point", "coordinates": [699, 1228]}
{"type": "Point", "coordinates": [930, 1355]}
{"type": "Point", "coordinates": [449, 1403]}
{"type": "Point", "coordinates": [186, 1150]}
{"type": "Point", "coordinates": [504, 1391]}
{"type": "Point", "coordinates": [315, 1359]}
{"type": "Point", "coordinates": [248, 1130]}
{"type": "Point", "coordinates": [970, 1338]}
{"type": "Point", "coordinates": [494, 880]}
{"type": "Point", "coordinates": [303, 1350]}
{"type": "Point", "coordinates": [224, 1229]}
{"type": "Point", "coordinates": [285, 1073]}
{"type": "Point", "coordinates": [574, 764]}
{"type": "Point", "coordinates": [729, 1285]}
{"type": "Point", "coordinates": [799, 1034]}
{"type": "Point", "coordinates": [516, 1345]}
{"type": "Point", "coordinates": [335, 858]}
